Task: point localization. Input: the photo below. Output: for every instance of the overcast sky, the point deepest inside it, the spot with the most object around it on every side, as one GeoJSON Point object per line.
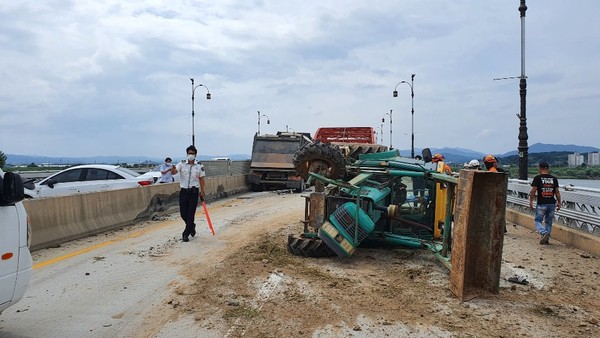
{"type": "Point", "coordinates": [87, 78]}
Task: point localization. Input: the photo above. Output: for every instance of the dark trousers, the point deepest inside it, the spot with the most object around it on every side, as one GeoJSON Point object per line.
{"type": "Point", "coordinates": [188, 200]}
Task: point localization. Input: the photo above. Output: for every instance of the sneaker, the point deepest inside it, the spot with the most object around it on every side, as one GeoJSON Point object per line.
{"type": "Point", "coordinates": [545, 238]}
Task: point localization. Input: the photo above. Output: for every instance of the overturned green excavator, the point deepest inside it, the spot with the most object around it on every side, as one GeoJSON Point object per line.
{"type": "Point", "coordinates": [384, 199]}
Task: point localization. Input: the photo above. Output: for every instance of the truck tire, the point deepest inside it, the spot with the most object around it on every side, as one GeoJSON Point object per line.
{"type": "Point", "coordinates": [321, 158]}
{"type": "Point", "coordinates": [308, 247]}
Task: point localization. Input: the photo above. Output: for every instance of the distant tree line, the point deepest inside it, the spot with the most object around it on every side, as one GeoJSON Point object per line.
{"type": "Point", "coordinates": [558, 161]}
{"type": "Point", "coordinates": [554, 159]}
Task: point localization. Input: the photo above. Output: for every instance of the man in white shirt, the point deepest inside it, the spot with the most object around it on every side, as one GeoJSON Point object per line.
{"type": "Point", "coordinates": [165, 172]}
{"type": "Point", "coordinates": [191, 181]}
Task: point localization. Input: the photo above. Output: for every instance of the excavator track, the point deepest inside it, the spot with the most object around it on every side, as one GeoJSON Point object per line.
{"type": "Point", "coordinates": [308, 247]}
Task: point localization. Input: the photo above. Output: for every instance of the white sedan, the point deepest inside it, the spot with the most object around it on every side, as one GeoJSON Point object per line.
{"type": "Point", "coordinates": [87, 178]}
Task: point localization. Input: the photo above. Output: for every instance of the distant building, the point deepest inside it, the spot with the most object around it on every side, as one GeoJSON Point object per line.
{"type": "Point", "coordinates": [575, 160]}
{"type": "Point", "coordinates": [594, 158]}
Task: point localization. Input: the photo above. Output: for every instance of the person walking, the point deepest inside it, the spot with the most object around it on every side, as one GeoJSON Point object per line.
{"type": "Point", "coordinates": [165, 172]}
{"type": "Point", "coordinates": [545, 187]}
{"type": "Point", "coordinates": [191, 181]}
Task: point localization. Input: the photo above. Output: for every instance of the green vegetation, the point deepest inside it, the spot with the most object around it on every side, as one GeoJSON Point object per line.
{"type": "Point", "coordinates": [558, 161]}
{"type": "Point", "coordinates": [554, 159]}
{"type": "Point", "coordinates": [581, 172]}
{"type": "Point", "coordinates": [2, 159]}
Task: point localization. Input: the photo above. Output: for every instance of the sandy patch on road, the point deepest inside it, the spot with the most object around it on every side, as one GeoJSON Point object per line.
{"type": "Point", "coordinates": [251, 286]}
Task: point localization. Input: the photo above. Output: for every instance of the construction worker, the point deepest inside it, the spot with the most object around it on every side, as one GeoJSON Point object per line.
{"type": "Point", "coordinates": [491, 164]}
{"type": "Point", "coordinates": [440, 158]}
{"type": "Point", "coordinates": [472, 165]}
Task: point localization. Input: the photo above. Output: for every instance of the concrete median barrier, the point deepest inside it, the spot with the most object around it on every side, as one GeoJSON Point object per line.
{"type": "Point", "coordinates": [58, 220]}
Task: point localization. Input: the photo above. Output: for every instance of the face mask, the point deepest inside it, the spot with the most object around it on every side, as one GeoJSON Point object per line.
{"type": "Point", "coordinates": [191, 157]}
{"type": "Point", "coordinates": [168, 163]}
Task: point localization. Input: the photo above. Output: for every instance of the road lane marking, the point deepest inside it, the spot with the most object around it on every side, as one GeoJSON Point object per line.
{"type": "Point", "coordinates": [99, 245]}
{"type": "Point", "coordinates": [118, 239]}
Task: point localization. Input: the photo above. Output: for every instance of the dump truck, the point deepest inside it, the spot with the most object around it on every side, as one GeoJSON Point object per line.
{"type": "Point", "coordinates": [272, 166]}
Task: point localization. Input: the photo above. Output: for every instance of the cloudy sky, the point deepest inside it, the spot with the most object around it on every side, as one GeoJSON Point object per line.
{"type": "Point", "coordinates": [112, 77]}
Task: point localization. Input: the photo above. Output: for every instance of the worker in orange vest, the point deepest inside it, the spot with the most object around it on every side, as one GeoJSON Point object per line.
{"type": "Point", "coordinates": [440, 158]}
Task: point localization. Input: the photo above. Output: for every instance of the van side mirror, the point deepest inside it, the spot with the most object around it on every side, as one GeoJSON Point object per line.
{"type": "Point", "coordinates": [11, 188]}
{"type": "Point", "coordinates": [426, 155]}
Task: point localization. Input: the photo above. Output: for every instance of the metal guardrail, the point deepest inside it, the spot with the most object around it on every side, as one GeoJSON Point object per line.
{"type": "Point", "coordinates": [580, 207]}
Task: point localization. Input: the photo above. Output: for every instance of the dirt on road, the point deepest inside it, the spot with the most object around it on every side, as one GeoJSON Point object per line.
{"type": "Point", "coordinates": [253, 287]}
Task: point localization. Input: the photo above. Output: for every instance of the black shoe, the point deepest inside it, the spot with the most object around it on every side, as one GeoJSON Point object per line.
{"type": "Point", "coordinates": [185, 239]}
{"type": "Point", "coordinates": [193, 232]}
{"type": "Point", "coordinates": [545, 238]}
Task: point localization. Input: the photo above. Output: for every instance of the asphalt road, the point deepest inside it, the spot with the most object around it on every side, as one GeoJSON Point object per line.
{"type": "Point", "coordinates": [108, 285]}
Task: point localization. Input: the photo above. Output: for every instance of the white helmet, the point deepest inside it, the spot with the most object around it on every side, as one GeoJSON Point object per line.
{"type": "Point", "coordinates": [474, 164]}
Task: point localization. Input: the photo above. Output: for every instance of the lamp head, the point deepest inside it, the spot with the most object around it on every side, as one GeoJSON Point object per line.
{"type": "Point", "coordinates": [395, 93]}
{"type": "Point", "coordinates": [382, 119]}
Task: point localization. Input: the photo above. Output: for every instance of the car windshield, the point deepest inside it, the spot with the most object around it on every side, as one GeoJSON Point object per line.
{"type": "Point", "coordinates": [129, 172]}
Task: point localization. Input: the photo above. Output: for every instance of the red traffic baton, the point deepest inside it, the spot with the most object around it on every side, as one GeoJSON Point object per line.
{"type": "Point", "coordinates": [207, 216]}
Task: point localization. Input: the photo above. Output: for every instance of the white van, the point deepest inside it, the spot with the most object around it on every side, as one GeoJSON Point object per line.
{"type": "Point", "coordinates": [15, 239]}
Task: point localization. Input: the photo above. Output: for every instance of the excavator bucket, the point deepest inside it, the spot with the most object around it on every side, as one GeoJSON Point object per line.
{"type": "Point", "coordinates": [478, 234]}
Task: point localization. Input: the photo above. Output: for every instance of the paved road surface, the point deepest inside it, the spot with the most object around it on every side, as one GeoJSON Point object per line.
{"type": "Point", "coordinates": [106, 285]}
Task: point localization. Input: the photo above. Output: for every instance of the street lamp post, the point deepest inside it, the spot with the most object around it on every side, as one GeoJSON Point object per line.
{"type": "Point", "coordinates": [259, 115]}
{"type": "Point", "coordinates": [412, 111]}
{"type": "Point", "coordinates": [381, 131]}
{"type": "Point", "coordinates": [383, 120]}
{"type": "Point", "coordinates": [207, 97]}
{"type": "Point", "coordinates": [523, 148]}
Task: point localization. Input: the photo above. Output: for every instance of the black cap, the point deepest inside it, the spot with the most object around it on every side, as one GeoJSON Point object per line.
{"type": "Point", "coordinates": [544, 165]}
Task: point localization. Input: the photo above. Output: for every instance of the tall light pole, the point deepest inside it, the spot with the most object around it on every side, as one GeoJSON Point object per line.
{"type": "Point", "coordinates": [207, 97]}
{"type": "Point", "coordinates": [383, 120]}
{"type": "Point", "coordinates": [523, 148]}
{"type": "Point", "coordinates": [412, 111]}
{"type": "Point", "coordinates": [381, 130]}
{"type": "Point", "coordinates": [259, 115]}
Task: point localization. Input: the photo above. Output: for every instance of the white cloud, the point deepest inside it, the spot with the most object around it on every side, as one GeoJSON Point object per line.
{"type": "Point", "coordinates": [112, 77]}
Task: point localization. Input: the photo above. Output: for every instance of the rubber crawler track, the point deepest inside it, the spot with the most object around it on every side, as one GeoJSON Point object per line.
{"type": "Point", "coordinates": [308, 247]}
